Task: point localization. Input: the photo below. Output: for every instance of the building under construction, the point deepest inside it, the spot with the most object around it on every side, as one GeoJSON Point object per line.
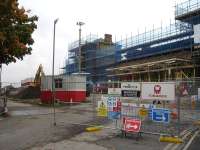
{"type": "Point", "coordinates": [161, 54]}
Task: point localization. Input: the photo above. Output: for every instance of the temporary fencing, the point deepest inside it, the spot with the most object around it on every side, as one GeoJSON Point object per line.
{"type": "Point", "coordinates": [164, 108]}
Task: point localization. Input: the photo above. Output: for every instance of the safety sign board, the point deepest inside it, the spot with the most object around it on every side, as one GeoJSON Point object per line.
{"type": "Point", "coordinates": [113, 102]}
{"type": "Point", "coordinates": [183, 87]}
{"type": "Point", "coordinates": [114, 115]}
{"type": "Point", "coordinates": [160, 115]}
{"type": "Point", "coordinates": [158, 91]}
{"type": "Point", "coordinates": [151, 106]}
{"type": "Point", "coordinates": [130, 89]}
{"type": "Point", "coordinates": [118, 107]}
{"type": "Point", "coordinates": [132, 125]}
{"type": "Point", "coordinates": [130, 86]}
{"type": "Point", "coordinates": [114, 107]}
{"type": "Point", "coordinates": [114, 91]}
{"type": "Point", "coordinates": [102, 109]}
{"type": "Point", "coordinates": [143, 112]}
{"type": "Point", "coordinates": [130, 93]}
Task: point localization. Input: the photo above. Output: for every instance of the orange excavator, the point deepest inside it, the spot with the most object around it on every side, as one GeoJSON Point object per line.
{"type": "Point", "coordinates": [38, 75]}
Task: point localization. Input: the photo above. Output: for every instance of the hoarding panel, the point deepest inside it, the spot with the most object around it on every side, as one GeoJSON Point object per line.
{"type": "Point", "coordinates": [158, 91]}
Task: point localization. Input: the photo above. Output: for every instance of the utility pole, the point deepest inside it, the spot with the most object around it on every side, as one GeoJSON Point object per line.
{"type": "Point", "coordinates": [53, 88]}
{"type": "Point", "coordinates": [79, 52]}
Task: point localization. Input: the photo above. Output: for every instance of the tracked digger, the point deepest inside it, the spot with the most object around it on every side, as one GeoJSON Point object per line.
{"type": "Point", "coordinates": [38, 75]}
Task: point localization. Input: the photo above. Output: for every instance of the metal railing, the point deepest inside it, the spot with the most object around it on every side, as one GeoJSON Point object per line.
{"type": "Point", "coordinates": [186, 7]}
{"type": "Point", "coordinates": [86, 39]}
{"type": "Point", "coordinates": [157, 34]}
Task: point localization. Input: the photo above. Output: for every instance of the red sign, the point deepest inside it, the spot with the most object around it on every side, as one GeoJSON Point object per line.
{"type": "Point", "coordinates": [132, 125]}
{"type": "Point", "coordinates": [119, 106]}
{"type": "Point", "coordinates": [157, 89]}
{"type": "Point", "coordinates": [183, 89]}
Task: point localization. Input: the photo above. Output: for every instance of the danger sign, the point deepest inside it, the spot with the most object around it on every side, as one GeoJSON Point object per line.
{"type": "Point", "coordinates": [132, 125]}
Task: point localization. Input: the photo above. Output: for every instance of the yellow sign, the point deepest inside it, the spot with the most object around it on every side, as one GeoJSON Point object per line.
{"type": "Point", "coordinates": [143, 112]}
{"type": "Point", "coordinates": [102, 109]}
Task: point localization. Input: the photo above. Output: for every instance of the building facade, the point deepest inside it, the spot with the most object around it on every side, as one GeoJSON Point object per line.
{"type": "Point", "coordinates": [161, 54]}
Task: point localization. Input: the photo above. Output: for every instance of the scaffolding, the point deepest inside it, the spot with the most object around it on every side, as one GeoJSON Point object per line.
{"type": "Point", "coordinates": [159, 43]}
{"type": "Point", "coordinates": [187, 7]}
{"type": "Point", "coordinates": [158, 70]}
{"type": "Point", "coordinates": [87, 39]}
{"type": "Point", "coordinates": [97, 54]}
{"type": "Point", "coordinates": [158, 35]}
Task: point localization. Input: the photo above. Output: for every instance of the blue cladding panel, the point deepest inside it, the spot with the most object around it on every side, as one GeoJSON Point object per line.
{"type": "Point", "coordinates": [150, 51]}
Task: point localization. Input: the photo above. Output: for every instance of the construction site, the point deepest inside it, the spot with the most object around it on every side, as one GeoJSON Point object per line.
{"type": "Point", "coordinates": [161, 54]}
{"type": "Point", "coordinates": [141, 92]}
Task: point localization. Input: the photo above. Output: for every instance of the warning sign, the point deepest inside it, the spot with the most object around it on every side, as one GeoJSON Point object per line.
{"type": "Point", "coordinates": [102, 109]}
{"type": "Point", "coordinates": [143, 112]}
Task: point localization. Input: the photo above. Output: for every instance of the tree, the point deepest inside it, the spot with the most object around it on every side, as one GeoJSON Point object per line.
{"type": "Point", "coordinates": [16, 28]}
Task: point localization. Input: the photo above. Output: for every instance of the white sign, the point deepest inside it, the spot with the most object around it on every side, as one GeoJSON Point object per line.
{"type": "Point", "coordinates": [158, 91]}
{"type": "Point", "coordinates": [130, 86]}
{"type": "Point", "coordinates": [114, 91]}
{"type": "Point", "coordinates": [198, 93]}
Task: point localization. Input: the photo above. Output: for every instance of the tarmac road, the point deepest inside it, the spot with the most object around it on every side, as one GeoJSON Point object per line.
{"type": "Point", "coordinates": [195, 144]}
{"type": "Point", "coordinates": [31, 127]}
{"type": "Point", "coordinates": [26, 127]}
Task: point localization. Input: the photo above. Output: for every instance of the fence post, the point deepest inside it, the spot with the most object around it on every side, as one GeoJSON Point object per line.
{"type": "Point", "coordinates": [93, 102]}
{"type": "Point", "coordinates": [178, 107]}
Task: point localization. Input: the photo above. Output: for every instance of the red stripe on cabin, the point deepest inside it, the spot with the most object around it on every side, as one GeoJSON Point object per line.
{"type": "Point", "coordinates": [64, 96]}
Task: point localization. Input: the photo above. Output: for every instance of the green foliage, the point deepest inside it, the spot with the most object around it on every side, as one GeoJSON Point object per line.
{"type": "Point", "coordinates": [16, 28]}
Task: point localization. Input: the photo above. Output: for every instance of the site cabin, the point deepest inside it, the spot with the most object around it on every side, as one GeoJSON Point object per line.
{"type": "Point", "coordinates": [68, 88]}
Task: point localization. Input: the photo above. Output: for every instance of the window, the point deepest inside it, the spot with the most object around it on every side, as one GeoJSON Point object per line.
{"type": "Point", "coordinates": [58, 83]}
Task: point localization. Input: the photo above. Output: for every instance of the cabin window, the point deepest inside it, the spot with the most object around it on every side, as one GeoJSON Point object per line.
{"type": "Point", "coordinates": [58, 83]}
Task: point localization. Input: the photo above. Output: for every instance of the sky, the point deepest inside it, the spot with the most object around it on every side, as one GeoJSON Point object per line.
{"type": "Point", "coordinates": [121, 18]}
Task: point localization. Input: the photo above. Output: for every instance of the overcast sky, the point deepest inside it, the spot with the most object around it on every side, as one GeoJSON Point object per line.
{"type": "Point", "coordinates": [117, 17]}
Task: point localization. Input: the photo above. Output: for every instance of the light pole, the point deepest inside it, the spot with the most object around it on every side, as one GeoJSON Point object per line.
{"type": "Point", "coordinates": [53, 87]}
{"type": "Point", "coordinates": [79, 52]}
{"type": "Point", "coordinates": [0, 78]}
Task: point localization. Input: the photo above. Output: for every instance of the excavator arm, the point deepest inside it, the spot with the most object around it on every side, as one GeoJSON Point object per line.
{"type": "Point", "coordinates": [38, 75]}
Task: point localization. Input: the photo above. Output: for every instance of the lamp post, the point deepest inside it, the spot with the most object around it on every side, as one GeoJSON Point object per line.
{"type": "Point", "coordinates": [0, 78]}
{"type": "Point", "coordinates": [79, 52]}
{"type": "Point", "coordinates": [53, 87]}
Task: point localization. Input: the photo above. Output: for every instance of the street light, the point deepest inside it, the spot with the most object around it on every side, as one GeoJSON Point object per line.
{"type": "Point", "coordinates": [53, 88]}
{"type": "Point", "coordinates": [79, 52]}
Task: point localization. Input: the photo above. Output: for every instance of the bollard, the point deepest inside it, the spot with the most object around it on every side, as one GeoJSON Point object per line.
{"type": "Point", "coordinates": [169, 139]}
{"type": "Point", "coordinates": [94, 128]}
